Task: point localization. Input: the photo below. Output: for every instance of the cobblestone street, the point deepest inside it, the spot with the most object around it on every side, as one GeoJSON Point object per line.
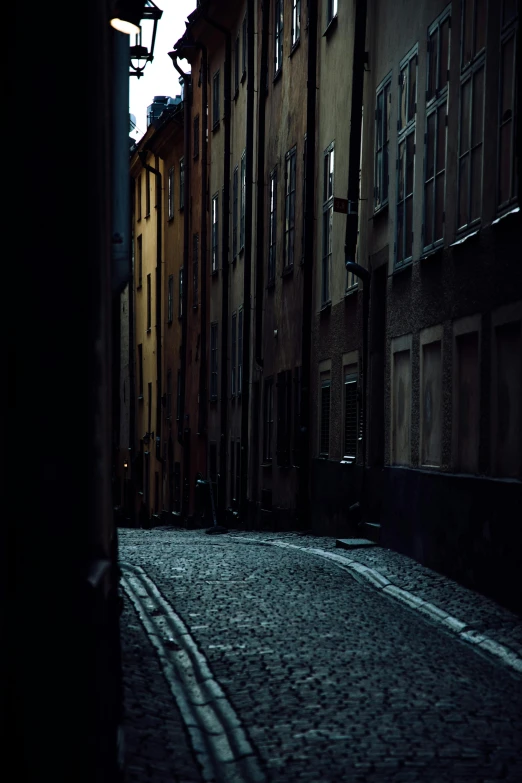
{"type": "Point", "coordinates": [282, 658]}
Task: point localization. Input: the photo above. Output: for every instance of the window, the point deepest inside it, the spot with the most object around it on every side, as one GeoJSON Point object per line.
{"type": "Point", "coordinates": [170, 299]}
{"type": "Point", "coordinates": [507, 172]}
{"type": "Point", "coordinates": [296, 21]}
{"type": "Point", "coordinates": [171, 193]}
{"type": "Point", "coordinates": [284, 417]}
{"type": "Point", "coordinates": [242, 203]}
{"type": "Point", "coordinates": [406, 158]}
{"type": "Point", "coordinates": [331, 10]}
{"type": "Point", "coordinates": [272, 227]}
{"type": "Point", "coordinates": [181, 183]}
{"type": "Point", "coordinates": [303, 237]}
{"type": "Point", "coordinates": [297, 416]}
{"type": "Point", "coordinates": [240, 351]}
{"type": "Point", "coordinates": [147, 193]}
{"type": "Point", "coordinates": [435, 137]}
{"type": "Point", "coordinates": [178, 397]}
{"type": "Point", "coordinates": [232, 474]}
{"type": "Point", "coordinates": [213, 361]}
{"type": "Point", "coordinates": [234, 213]}
{"type": "Point", "coordinates": [195, 278]}
{"type": "Point", "coordinates": [382, 140]}
{"type": "Point", "coordinates": [149, 303]}
{"type": "Point", "coordinates": [140, 261]}
{"type": "Point", "coordinates": [196, 136]}
{"type": "Point", "coordinates": [238, 472]}
{"type": "Point", "coordinates": [328, 200]}
{"type": "Point", "coordinates": [268, 419]}
{"type": "Point", "coordinates": [233, 357]}
{"type": "Point", "coordinates": [289, 208]}
{"type": "Point", "coordinates": [169, 394]}
{"type": "Point", "coordinates": [244, 47]}
{"type": "Point", "coordinates": [324, 431]}
{"type": "Point", "coordinates": [140, 371]}
{"type": "Point", "coordinates": [180, 294]}
{"type": "Point", "coordinates": [236, 67]}
{"type": "Point", "coordinates": [139, 197]}
{"type": "Point", "coordinates": [471, 120]}
{"type": "Point", "coordinates": [350, 413]}
{"type": "Point", "coordinates": [215, 100]}
{"type": "Point", "coordinates": [278, 36]}
{"type": "Point", "coordinates": [215, 253]}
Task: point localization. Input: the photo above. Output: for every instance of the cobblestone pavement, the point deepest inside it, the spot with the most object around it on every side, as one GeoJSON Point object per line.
{"type": "Point", "coordinates": [331, 679]}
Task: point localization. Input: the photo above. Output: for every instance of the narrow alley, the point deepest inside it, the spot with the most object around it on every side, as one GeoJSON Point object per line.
{"type": "Point", "coordinates": [279, 657]}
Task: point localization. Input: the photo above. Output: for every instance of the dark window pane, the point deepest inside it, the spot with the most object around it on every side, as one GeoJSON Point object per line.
{"type": "Point", "coordinates": [387, 111]}
{"type": "Point", "coordinates": [480, 25]}
{"type": "Point", "coordinates": [409, 163]}
{"type": "Point", "coordinates": [441, 138]}
{"type": "Point", "coordinates": [439, 206]}
{"type": "Point", "coordinates": [465, 101]}
{"type": "Point", "coordinates": [400, 229]}
{"type": "Point", "coordinates": [467, 32]}
{"type": "Point", "coordinates": [505, 164]}
{"type": "Point", "coordinates": [463, 190]}
{"type": "Point", "coordinates": [428, 217]}
{"type": "Point", "coordinates": [476, 182]}
{"type": "Point", "coordinates": [508, 50]}
{"type": "Point", "coordinates": [403, 97]}
{"type": "Point", "coordinates": [432, 63]}
{"type": "Point", "coordinates": [444, 54]}
{"type": "Point", "coordinates": [379, 197]}
{"type": "Point", "coordinates": [379, 119]}
{"type": "Point", "coordinates": [401, 171]}
{"type": "Point", "coordinates": [385, 173]}
{"type": "Point", "coordinates": [408, 228]}
{"type": "Point", "coordinates": [412, 88]}
{"type": "Point", "coordinates": [430, 146]}
{"type": "Point", "coordinates": [478, 107]}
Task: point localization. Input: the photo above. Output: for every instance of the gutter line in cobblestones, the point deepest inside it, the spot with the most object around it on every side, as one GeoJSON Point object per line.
{"type": "Point", "coordinates": [217, 736]}
{"type": "Point", "coordinates": [480, 642]}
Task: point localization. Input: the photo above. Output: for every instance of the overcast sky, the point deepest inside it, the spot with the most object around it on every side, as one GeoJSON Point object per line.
{"type": "Point", "coordinates": [160, 76]}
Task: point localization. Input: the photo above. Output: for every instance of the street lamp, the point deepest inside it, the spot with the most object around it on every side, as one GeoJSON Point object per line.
{"type": "Point", "coordinates": [127, 17]}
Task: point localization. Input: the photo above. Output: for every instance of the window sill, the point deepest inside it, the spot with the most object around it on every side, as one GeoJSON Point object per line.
{"type": "Point", "coordinates": [241, 251]}
{"type": "Point", "coordinates": [405, 265]}
{"type": "Point", "coordinates": [432, 252]}
{"type": "Point", "coordinates": [294, 48]}
{"type": "Point", "coordinates": [170, 218]}
{"type": "Point", "coordinates": [288, 271]}
{"type": "Point", "coordinates": [277, 74]}
{"type": "Point", "coordinates": [267, 464]}
{"type": "Point", "coordinates": [323, 456]}
{"type": "Point", "coordinates": [140, 398]}
{"type": "Point", "coordinates": [149, 330]}
{"type": "Point", "coordinates": [215, 127]}
{"type": "Point", "coordinates": [511, 211]}
{"type": "Point", "coordinates": [243, 77]}
{"type": "Point", "coordinates": [326, 307]}
{"type": "Point", "coordinates": [351, 291]}
{"type": "Point", "coordinates": [147, 216]}
{"type": "Point", "coordinates": [330, 27]}
{"type": "Point", "coordinates": [381, 210]}
{"type": "Point", "coordinates": [465, 236]}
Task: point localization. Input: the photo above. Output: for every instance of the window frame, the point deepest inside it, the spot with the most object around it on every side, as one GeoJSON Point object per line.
{"type": "Point", "coordinates": [331, 11]}
{"type": "Point", "coordinates": [290, 197]}
{"type": "Point", "coordinates": [350, 377]}
{"type": "Point", "coordinates": [149, 302]}
{"type": "Point", "coordinates": [242, 204]}
{"type": "Point", "coordinates": [404, 134]}
{"type": "Point", "coordinates": [272, 227]}
{"type": "Point", "coordinates": [327, 223]}
{"type": "Point", "coordinates": [170, 194]}
{"type": "Point", "coordinates": [213, 361]}
{"type": "Point", "coordinates": [181, 183]}
{"type": "Point", "coordinates": [325, 383]}
{"type": "Point", "coordinates": [295, 36]}
{"type": "Point", "coordinates": [278, 37]}
{"type": "Point", "coordinates": [508, 30]}
{"type": "Point", "coordinates": [435, 103]}
{"type": "Point", "coordinates": [215, 233]}
{"type": "Point", "coordinates": [215, 101]}
{"type": "Point", "coordinates": [381, 173]}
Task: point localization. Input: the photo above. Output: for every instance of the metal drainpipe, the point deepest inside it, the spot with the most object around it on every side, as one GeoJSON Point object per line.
{"type": "Point", "coordinates": [184, 299]}
{"type": "Point", "coordinates": [352, 218]}
{"type": "Point", "coordinates": [224, 259]}
{"type": "Point", "coordinates": [159, 211]}
{"type": "Point", "coordinates": [308, 267]}
{"type": "Point", "coordinates": [260, 217]}
{"type": "Point", "coordinates": [132, 393]}
{"type": "Point", "coordinates": [247, 271]}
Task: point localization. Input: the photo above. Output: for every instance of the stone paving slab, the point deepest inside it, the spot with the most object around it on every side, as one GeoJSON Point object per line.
{"type": "Point", "coordinates": [333, 680]}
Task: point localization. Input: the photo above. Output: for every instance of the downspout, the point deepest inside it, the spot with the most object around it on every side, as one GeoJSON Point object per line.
{"type": "Point", "coordinates": [260, 217]}
{"type": "Point", "coordinates": [184, 299]}
{"type": "Point", "coordinates": [159, 210]}
{"type": "Point", "coordinates": [352, 218]}
{"type": "Point", "coordinates": [247, 271]}
{"type": "Point", "coordinates": [308, 268]}
{"type": "Point", "coordinates": [132, 391]}
{"type": "Point", "coordinates": [222, 483]}
{"type": "Point", "coordinates": [203, 370]}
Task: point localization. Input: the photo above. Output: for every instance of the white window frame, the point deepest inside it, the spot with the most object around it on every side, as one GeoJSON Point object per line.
{"type": "Point", "coordinates": [278, 36]}
{"type": "Point", "coordinates": [290, 189]}
{"type": "Point", "coordinates": [296, 22]}
{"type": "Point", "coordinates": [272, 227]}
{"type": "Point", "coordinates": [327, 231]}
{"type": "Point", "coordinates": [215, 232]}
{"type": "Point", "coordinates": [171, 193]}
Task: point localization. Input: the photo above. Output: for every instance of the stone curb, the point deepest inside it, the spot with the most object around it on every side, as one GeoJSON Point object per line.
{"type": "Point", "coordinates": [480, 642]}
{"type": "Point", "coordinates": [217, 736]}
